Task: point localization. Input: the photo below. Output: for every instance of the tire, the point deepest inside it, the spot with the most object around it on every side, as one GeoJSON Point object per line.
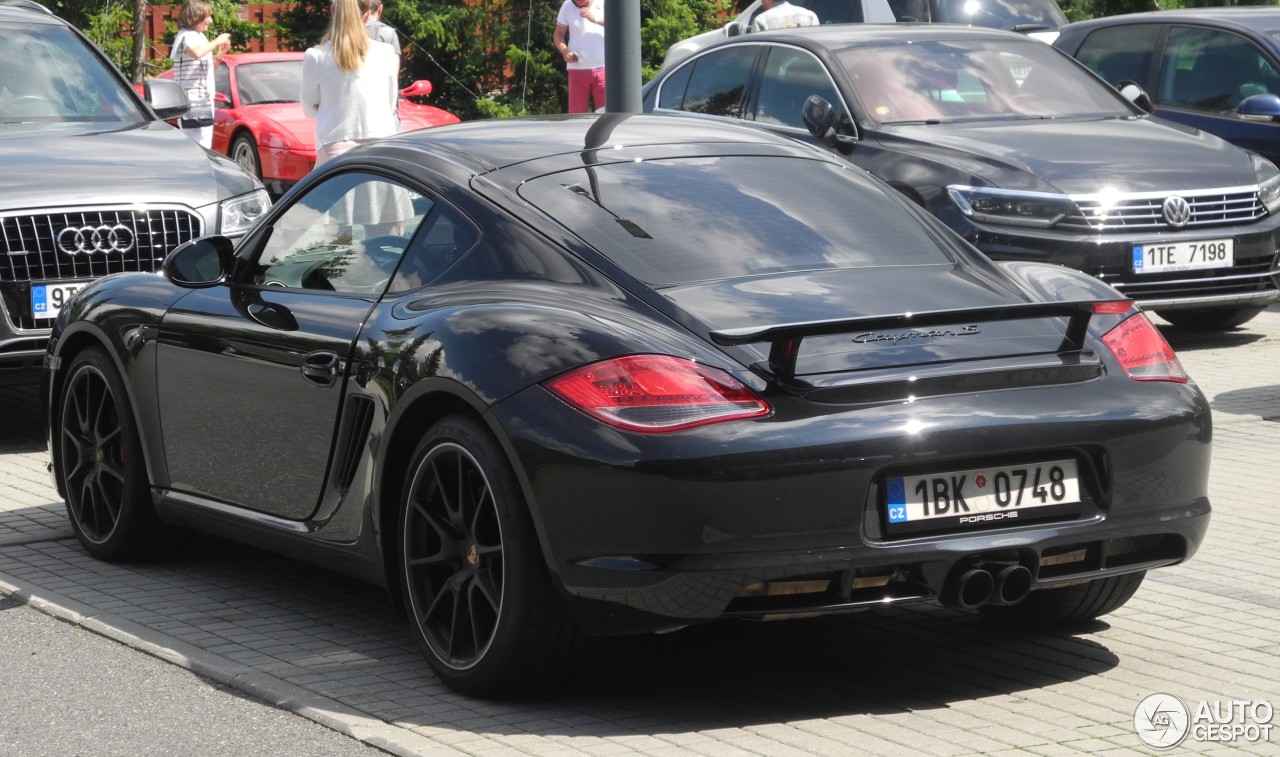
{"type": "Point", "coordinates": [476, 588]}
{"type": "Point", "coordinates": [1209, 319]}
{"type": "Point", "coordinates": [244, 151]}
{"type": "Point", "coordinates": [102, 471]}
{"type": "Point", "coordinates": [1070, 605]}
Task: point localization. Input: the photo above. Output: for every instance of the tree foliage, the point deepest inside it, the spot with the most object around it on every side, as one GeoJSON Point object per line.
{"type": "Point", "coordinates": [485, 58]}
{"type": "Point", "coordinates": [491, 58]}
{"type": "Point", "coordinates": [665, 22]}
{"type": "Point", "coordinates": [109, 24]}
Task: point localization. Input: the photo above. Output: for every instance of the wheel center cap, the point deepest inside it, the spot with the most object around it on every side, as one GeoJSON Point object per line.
{"type": "Point", "coordinates": [473, 555]}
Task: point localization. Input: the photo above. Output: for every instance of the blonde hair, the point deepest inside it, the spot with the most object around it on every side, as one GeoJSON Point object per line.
{"type": "Point", "coordinates": [193, 12]}
{"type": "Point", "coordinates": [347, 34]}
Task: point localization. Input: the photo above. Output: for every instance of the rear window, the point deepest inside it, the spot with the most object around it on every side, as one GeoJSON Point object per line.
{"type": "Point", "coordinates": [673, 222]}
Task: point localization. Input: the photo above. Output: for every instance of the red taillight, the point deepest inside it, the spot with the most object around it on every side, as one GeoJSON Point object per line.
{"type": "Point", "coordinates": [1143, 352]}
{"type": "Point", "coordinates": [657, 393]}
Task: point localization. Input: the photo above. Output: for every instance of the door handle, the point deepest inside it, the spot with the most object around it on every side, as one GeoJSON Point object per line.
{"type": "Point", "coordinates": [321, 368]}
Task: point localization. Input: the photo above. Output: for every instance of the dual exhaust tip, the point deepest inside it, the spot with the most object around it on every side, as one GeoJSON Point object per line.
{"type": "Point", "coordinates": [994, 585]}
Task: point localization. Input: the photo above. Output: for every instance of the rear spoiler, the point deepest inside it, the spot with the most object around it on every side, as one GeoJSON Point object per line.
{"type": "Point", "coordinates": [785, 338]}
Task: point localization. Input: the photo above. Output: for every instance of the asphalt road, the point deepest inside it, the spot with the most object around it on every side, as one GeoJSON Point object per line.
{"type": "Point", "coordinates": [65, 690]}
{"type": "Point", "coordinates": [145, 659]}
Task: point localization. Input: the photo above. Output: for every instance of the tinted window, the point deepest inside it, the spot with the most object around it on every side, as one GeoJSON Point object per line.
{"type": "Point", "coordinates": [790, 77]}
{"type": "Point", "coordinates": [674, 221]}
{"type": "Point", "coordinates": [347, 234]}
{"type": "Point", "coordinates": [47, 73]}
{"type": "Point", "coordinates": [444, 238]}
{"type": "Point", "coordinates": [719, 81]}
{"type": "Point", "coordinates": [1212, 71]}
{"type": "Point", "coordinates": [952, 80]}
{"type": "Point", "coordinates": [671, 94]}
{"type": "Point", "coordinates": [1120, 52]}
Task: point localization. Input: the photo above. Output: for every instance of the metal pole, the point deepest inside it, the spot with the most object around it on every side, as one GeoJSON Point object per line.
{"type": "Point", "coordinates": [622, 56]}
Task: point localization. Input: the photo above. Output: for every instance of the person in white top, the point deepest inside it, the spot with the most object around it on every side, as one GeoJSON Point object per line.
{"type": "Point", "coordinates": [583, 51]}
{"type": "Point", "coordinates": [194, 57]}
{"type": "Point", "coordinates": [349, 83]}
{"type": "Point", "coordinates": [780, 14]}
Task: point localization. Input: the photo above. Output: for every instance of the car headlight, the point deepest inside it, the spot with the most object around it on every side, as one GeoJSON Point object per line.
{"type": "Point", "coordinates": [1012, 208]}
{"type": "Point", "coordinates": [239, 213]}
{"type": "Point", "coordinates": [1268, 182]}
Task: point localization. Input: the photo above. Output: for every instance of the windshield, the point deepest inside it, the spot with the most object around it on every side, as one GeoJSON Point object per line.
{"type": "Point", "coordinates": [272, 82]}
{"type": "Point", "coordinates": [48, 74]}
{"type": "Point", "coordinates": [703, 219]}
{"type": "Point", "coordinates": [946, 81]}
{"type": "Point", "coordinates": [1019, 15]}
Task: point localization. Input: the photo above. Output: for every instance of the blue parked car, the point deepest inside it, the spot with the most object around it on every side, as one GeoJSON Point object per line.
{"type": "Point", "coordinates": [1217, 69]}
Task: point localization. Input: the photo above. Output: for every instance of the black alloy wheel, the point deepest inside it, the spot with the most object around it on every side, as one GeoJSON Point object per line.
{"type": "Point", "coordinates": [477, 591]}
{"type": "Point", "coordinates": [102, 471]}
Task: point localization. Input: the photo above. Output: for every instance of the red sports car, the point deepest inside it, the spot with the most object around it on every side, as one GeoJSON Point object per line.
{"type": "Point", "coordinates": [259, 122]}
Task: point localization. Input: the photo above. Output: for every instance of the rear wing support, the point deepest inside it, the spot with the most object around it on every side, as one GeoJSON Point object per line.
{"type": "Point", "coordinates": [785, 339]}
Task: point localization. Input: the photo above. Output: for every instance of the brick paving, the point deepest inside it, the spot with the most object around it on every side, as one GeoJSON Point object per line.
{"type": "Point", "coordinates": [905, 681]}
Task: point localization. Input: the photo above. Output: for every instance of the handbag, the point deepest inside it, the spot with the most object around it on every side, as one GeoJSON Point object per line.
{"type": "Point", "coordinates": [195, 123]}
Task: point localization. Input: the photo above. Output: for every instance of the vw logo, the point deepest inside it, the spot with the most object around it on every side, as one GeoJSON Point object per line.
{"type": "Point", "coordinates": [90, 239]}
{"type": "Point", "coordinates": [1176, 210]}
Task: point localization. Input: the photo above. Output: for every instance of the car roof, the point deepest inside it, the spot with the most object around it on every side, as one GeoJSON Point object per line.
{"type": "Point", "coordinates": [839, 36]}
{"type": "Point", "coordinates": [1255, 18]}
{"type": "Point", "coordinates": [243, 58]}
{"type": "Point", "coordinates": [493, 144]}
{"type": "Point", "coordinates": [28, 11]}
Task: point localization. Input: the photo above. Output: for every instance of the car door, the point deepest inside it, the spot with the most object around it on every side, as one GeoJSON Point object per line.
{"type": "Point", "coordinates": [788, 77]}
{"type": "Point", "coordinates": [1204, 76]}
{"type": "Point", "coordinates": [251, 374]}
{"type": "Point", "coordinates": [1195, 75]}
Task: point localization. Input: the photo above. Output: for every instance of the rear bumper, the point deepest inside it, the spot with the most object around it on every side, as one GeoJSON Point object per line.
{"type": "Point", "coordinates": [780, 517]}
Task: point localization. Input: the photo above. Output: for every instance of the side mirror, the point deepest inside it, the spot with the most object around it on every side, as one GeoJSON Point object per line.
{"type": "Point", "coordinates": [166, 97]}
{"type": "Point", "coordinates": [819, 117]}
{"type": "Point", "coordinates": [220, 100]}
{"type": "Point", "coordinates": [420, 88]}
{"type": "Point", "coordinates": [1135, 94]}
{"type": "Point", "coordinates": [200, 263]}
{"type": "Point", "coordinates": [1260, 108]}
{"type": "Point", "coordinates": [733, 29]}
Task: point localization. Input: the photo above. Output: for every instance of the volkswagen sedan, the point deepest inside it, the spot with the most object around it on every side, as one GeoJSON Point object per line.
{"type": "Point", "coordinates": [591, 375]}
{"type": "Point", "coordinates": [1020, 149]}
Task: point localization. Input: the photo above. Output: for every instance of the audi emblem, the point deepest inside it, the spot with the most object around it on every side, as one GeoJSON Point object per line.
{"type": "Point", "coordinates": [87, 240]}
{"type": "Point", "coordinates": [1176, 210]}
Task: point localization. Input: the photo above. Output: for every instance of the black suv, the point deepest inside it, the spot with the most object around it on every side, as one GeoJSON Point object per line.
{"type": "Point", "coordinates": [95, 181]}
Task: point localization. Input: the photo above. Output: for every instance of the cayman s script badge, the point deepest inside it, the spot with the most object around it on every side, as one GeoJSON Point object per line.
{"type": "Point", "coordinates": [896, 337]}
